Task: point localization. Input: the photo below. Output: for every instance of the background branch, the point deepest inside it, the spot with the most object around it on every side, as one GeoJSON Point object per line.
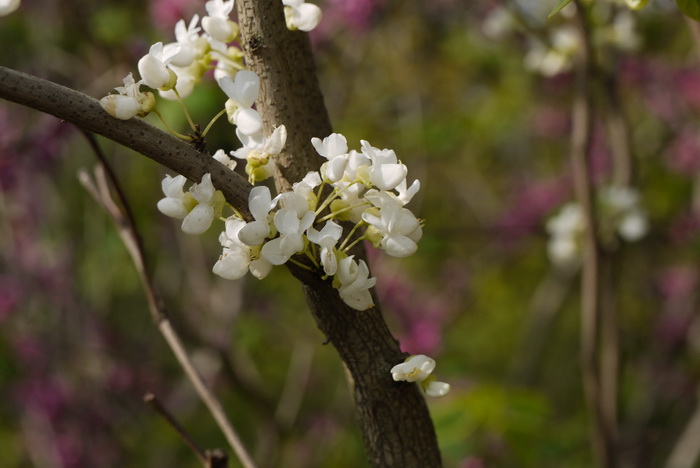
{"type": "Point", "coordinates": [128, 233]}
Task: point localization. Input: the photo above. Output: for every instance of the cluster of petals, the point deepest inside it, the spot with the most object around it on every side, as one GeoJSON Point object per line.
{"type": "Point", "coordinates": [130, 101]}
{"type": "Point", "coordinates": [368, 187]}
{"type": "Point", "coordinates": [301, 15]}
{"type": "Point", "coordinates": [419, 368]}
{"type": "Point", "coordinates": [197, 207]}
{"type": "Point", "coordinates": [620, 213]}
{"type": "Point", "coordinates": [174, 69]}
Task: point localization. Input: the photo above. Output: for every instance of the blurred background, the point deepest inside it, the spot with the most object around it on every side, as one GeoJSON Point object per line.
{"type": "Point", "coordinates": [468, 97]}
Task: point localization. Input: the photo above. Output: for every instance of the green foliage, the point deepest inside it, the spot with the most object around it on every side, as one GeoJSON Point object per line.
{"type": "Point", "coordinates": [560, 5]}
{"type": "Point", "coordinates": [690, 8]}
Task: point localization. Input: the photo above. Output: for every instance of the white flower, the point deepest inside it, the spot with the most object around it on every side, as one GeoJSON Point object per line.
{"type": "Point", "coordinates": [187, 37]}
{"type": "Point", "coordinates": [633, 226]}
{"type": "Point", "coordinates": [354, 283]}
{"type": "Point", "coordinates": [301, 15]}
{"type": "Point", "coordinates": [237, 258]}
{"type": "Point", "coordinates": [386, 172]}
{"type": "Point", "coordinates": [177, 203]}
{"type": "Point", "coordinates": [260, 204]}
{"type": "Point", "coordinates": [258, 155]}
{"type": "Point", "coordinates": [217, 23]}
{"type": "Point", "coordinates": [130, 101]}
{"type": "Point", "coordinates": [197, 208]}
{"type": "Point", "coordinates": [243, 90]}
{"type": "Point", "coordinates": [436, 389]}
{"type": "Point", "coordinates": [416, 369]}
{"type": "Point", "coordinates": [624, 207]}
{"type": "Point", "coordinates": [333, 145]}
{"type": "Point", "coordinates": [209, 202]}
{"type": "Point", "coordinates": [291, 228]}
{"type": "Point", "coordinates": [153, 66]}
{"type": "Point", "coordinates": [305, 188]}
{"type": "Point", "coordinates": [394, 228]}
{"type": "Point", "coordinates": [327, 238]}
{"type": "Point", "coordinates": [334, 148]}
{"type": "Point", "coordinates": [8, 6]}
{"type": "Point", "coordinates": [405, 195]}
{"type": "Point", "coordinates": [221, 156]}
{"type": "Point", "coordinates": [557, 59]}
{"type": "Point", "coordinates": [565, 230]}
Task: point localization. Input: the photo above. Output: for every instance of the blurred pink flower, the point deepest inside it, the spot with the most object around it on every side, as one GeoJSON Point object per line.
{"type": "Point", "coordinates": [530, 203]}
{"type": "Point", "coordinates": [165, 13]}
{"type": "Point", "coordinates": [684, 156]}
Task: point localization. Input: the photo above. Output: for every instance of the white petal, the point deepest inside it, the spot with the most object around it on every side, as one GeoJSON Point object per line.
{"type": "Point", "coordinates": [272, 253]}
{"type": "Point", "coordinates": [437, 389]}
{"type": "Point", "coordinates": [119, 106]}
{"type": "Point", "coordinates": [359, 300]}
{"type": "Point", "coordinates": [260, 268]}
{"type": "Point", "coordinates": [203, 191]}
{"type": "Point", "coordinates": [305, 17]}
{"type": "Point", "coordinates": [153, 72]}
{"type": "Point", "coordinates": [276, 141]}
{"type": "Point", "coordinates": [399, 246]}
{"type": "Point", "coordinates": [232, 265]}
{"type": "Point", "coordinates": [388, 176]}
{"type": "Point", "coordinates": [172, 207]}
{"type": "Point", "coordinates": [415, 369]}
{"type": "Point", "coordinates": [254, 233]}
{"type": "Point", "coordinates": [217, 27]}
{"type": "Point", "coordinates": [248, 121]}
{"type": "Point", "coordinates": [260, 202]}
{"type": "Point", "coordinates": [333, 145]}
{"type": "Point", "coordinates": [199, 220]}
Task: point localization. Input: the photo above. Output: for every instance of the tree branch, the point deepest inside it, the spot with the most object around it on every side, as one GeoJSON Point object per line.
{"type": "Point", "coordinates": [86, 113]}
{"type": "Point", "coordinates": [393, 417]}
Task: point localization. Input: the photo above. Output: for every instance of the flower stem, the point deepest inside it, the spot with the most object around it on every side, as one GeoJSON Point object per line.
{"type": "Point", "coordinates": [301, 265]}
{"type": "Point", "coordinates": [347, 239]}
{"type": "Point", "coordinates": [354, 243]}
{"type": "Point", "coordinates": [184, 109]}
{"type": "Point", "coordinates": [216, 117]}
{"type": "Point", "coordinates": [343, 210]}
{"type": "Point", "coordinates": [173, 132]}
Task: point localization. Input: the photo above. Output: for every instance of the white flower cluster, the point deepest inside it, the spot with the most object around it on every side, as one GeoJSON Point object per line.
{"type": "Point", "coordinates": [174, 69]}
{"type": "Point", "coordinates": [419, 368]}
{"type": "Point", "coordinates": [620, 214]}
{"type": "Point", "coordinates": [555, 54]}
{"type": "Point", "coordinates": [367, 188]}
{"type": "Point", "coordinates": [257, 148]}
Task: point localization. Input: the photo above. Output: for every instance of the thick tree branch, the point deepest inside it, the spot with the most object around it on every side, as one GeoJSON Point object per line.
{"type": "Point", "coordinates": [394, 418]}
{"type": "Point", "coordinates": [87, 114]}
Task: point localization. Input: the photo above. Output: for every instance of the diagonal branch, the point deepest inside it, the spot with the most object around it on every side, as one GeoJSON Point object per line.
{"type": "Point", "coordinates": [86, 113]}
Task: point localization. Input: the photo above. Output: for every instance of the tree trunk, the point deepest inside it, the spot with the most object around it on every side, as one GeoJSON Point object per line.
{"type": "Point", "coordinates": [393, 417]}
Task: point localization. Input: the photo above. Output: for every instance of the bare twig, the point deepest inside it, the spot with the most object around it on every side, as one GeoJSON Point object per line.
{"type": "Point", "coordinates": [129, 234]}
{"type": "Point", "coordinates": [158, 407]}
{"type": "Point", "coordinates": [604, 431]}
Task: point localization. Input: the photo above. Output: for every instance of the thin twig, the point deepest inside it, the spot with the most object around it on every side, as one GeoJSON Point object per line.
{"type": "Point", "coordinates": [129, 234]}
{"type": "Point", "coordinates": [158, 407]}
{"type": "Point", "coordinates": [603, 429]}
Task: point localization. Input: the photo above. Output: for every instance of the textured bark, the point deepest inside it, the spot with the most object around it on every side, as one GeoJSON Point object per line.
{"type": "Point", "coordinates": [86, 113]}
{"type": "Point", "coordinates": [393, 417]}
{"type": "Point", "coordinates": [289, 91]}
